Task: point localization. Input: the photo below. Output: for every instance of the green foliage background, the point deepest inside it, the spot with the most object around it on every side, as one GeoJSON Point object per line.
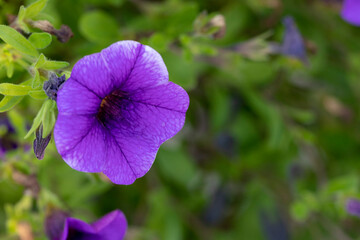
{"type": "Point", "coordinates": [270, 148]}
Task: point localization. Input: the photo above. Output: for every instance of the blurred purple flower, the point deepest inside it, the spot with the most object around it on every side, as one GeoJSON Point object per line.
{"type": "Point", "coordinates": [353, 207]}
{"type": "Point", "coordinates": [293, 44]}
{"type": "Point", "coordinates": [54, 223]}
{"type": "Point", "coordinates": [110, 227]}
{"type": "Point", "coordinates": [6, 141]}
{"type": "Point", "coordinates": [351, 12]}
{"type": "Point", "coordinates": [115, 111]}
{"type": "Point", "coordinates": [273, 226]}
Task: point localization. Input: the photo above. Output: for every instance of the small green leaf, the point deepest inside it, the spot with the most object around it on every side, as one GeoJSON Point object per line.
{"type": "Point", "coordinates": [10, 70]}
{"type": "Point", "coordinates": [40, 40]}
{"type": "Point", "coordinates": [10, 89]}
{"type": "Point", "coordinates": [67, 74]}
{"type": "Point", "coordinates": [38, 94]}
{"type": "Point", "coordinates": [37, 120]}
{"type": "Point", "coordinates": [46, 117]}
{"type": "Point", "coordinates": [98, 27]}
{"type": "Point", "coordinates": [48, 121]}
{"type": "Point", "coordinates": [18, 41]}
{"type": "Point", "coordinates": [159, 41]}
{"type": "Point", "coordinates": [36, 82]}
{"type": "Point", "coordinates": [21, 13]}
{"type": "Point", "coordinates": [35, 8]}
{"type": "Point", "coordinates": [8, 102]}
{"type": "Point", "coordinates": [53, 65]}
{"type": "Point", "coordinates": [40, 61]}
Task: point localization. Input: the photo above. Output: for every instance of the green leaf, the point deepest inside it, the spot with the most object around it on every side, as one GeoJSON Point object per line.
{"type": "Point", "coordinates": [46, 117]}
{"type": "Point", "coordinates": [37, 119]}
{"type": "Point", "coordinates": [116, 2]}
{"type": "Point", "coordinates": [53, 65]}
{"type": "Point", "coordinates": [21, 13]}
{"type": "Point", "coordinates": [10, 70]}
{"type": "Point", "coordinates": [159, 42]}
{"type": "Point", "coordinates": [18, 121]}
{"type": "Point", "coordinates": [18, 41]}
{"type": "Point", "coordinates": [8, 102]}
{"type": "Point", "coordinates": [40, 40]}
{"type": "Point", "coordinates": [177, 166]}
{"type": "Point", "coordinates": [36, 82]}
{"type": "Point", "coordinates": [35, 8]}
{"type": "Point", "coordinates": [98, 27]}
{"type": "Point", "coordinates": [40, 61]}
{"type": "Point", "coordinates": [49, 119]}
{"type": "Point", "coordinates": [10, 89]}
{"type": "Point", "coordinates": [38, 94]}
{"type": "Point", "coordinates": [20, 19]}
{"type": "Point", "coordinates": [176, 66]}
{"type": "Point", "coordinates": [299, 211]}
{"type": "Point", "coordinates": [43, 63]}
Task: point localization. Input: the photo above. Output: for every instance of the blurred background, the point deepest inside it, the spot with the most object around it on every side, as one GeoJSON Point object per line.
{"type": "Point", "coordinates": [270, 148]}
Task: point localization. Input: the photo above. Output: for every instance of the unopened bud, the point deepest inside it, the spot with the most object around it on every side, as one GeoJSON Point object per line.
{"type": "Point", "coordinates": [40, 143]}
{"type": "Point", "coordinates": [52, 86]}
{"type": "Point", "coordinates": [63, 34]}
{"type": "Point", "coordinates": [207, 25]}
{"type": "Point", "coordinates": [218, 21]}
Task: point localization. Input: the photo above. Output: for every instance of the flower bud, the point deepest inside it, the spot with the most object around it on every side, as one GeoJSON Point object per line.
{"type": "Point", "coordinates": [40, 143]}
{"type": "Point", "coordinates": [63, 34]}
{"type": "Point", "coordinates": [218, 21]}
{"type": "Point", "coordinates": [210, 25]}
{"type": "Point", "coordinates": [52, 86]}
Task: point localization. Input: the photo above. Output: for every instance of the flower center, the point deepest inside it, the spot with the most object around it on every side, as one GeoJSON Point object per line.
{"type": "Point", "coordinates": [111, 107]}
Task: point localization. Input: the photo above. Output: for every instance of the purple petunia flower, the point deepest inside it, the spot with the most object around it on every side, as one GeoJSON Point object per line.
{"type": "Point", "coordinates": [353, 207]}
{"type": "Point", "coordinates": [110, 227]}
{"type": "Point", "coordinates": [351, 12]}
{"type": "Point", "coordinates": [115, 111]}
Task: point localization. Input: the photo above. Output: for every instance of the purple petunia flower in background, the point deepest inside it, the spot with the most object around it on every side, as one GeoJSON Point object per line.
{"type": "Point", "coordinates": [351, 12]}
{"type": "Point", "coordinates": [115, 111]}
{"type": "Point", "coordinates": [112, 226]}
{"type": "Point", "coordinates": [353, 207]}
{"type": "Point", "coordinates": [7, 143]}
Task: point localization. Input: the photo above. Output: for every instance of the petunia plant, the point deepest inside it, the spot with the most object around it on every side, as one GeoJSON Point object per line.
{"type": "Point", "coordinates": [20, 52]}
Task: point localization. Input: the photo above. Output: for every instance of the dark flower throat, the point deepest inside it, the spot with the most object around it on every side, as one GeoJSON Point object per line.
{"type": "Point", "coordinates": [111, 106]}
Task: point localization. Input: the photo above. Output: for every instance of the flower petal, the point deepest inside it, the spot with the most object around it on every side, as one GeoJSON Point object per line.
{"type": "Point", "coordinates": [351, 12]}
{"type": "Point", "coordinates": [133, 66]}
{"type": "Point", "coordinates": [128, 158]}
{"type": "Point", "coordinates": [74, 98]}
{"type": "Point", "coordinates": [112, 226]}
{"type": "Point", "coordinates": [81, 142]}
{"type": "Point", "coordinates": [75, 229]}
{"type": "Point", "coordinates": [92, 73]}
{"type": "Point", "coordinates": [160, 110]}
{"type": "Point", "coordinates": [151, 117]}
